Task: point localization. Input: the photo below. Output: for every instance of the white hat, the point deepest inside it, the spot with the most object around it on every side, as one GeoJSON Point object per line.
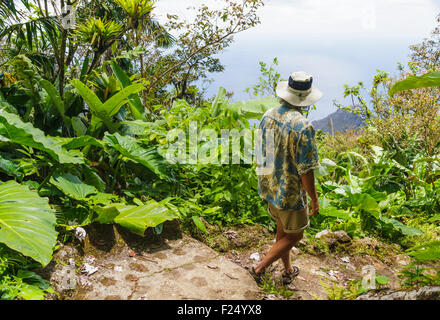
{"type": "Point", "coordinates": [298, 91]}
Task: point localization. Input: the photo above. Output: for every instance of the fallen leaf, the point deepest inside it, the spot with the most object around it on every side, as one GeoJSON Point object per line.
{"type": "Point", "coordinates": [132, 253]}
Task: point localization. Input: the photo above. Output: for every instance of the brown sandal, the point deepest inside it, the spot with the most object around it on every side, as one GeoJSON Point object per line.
{"type": "Point", "coordinates": [288, 277]}
{"type": "Point", "coordinates": [257, 277]}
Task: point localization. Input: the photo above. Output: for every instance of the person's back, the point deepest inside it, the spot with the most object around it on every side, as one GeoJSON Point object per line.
{"type": "Point", "coordinates": [295, 154]}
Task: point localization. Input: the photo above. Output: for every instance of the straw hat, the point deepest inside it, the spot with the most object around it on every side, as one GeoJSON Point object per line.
{"type": "Point", "coordinates": [298, 91]}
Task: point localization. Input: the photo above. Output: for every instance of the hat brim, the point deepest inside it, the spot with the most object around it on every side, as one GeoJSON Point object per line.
{"type": "Point", "coordinates": [283, 92]}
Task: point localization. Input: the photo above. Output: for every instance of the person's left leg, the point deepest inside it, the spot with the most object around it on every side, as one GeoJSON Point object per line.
{"type": "Point", "coordinates": [280, 249]}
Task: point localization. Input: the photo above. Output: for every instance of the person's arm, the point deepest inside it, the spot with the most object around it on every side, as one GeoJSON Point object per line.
{"type": "Point", "coordinates": [307, 160]}
{"type": "Point", "coordinates": [308, 182]}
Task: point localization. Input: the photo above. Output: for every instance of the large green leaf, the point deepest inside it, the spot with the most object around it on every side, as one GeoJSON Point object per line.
{"type": "Point", "coordinates": [138, 218]}
{"type": "Point", "coordinates": [26, 134]}
{"type": "Point", "coordinates": [107, 214]}
{"type": "Point", "coordinates": [407, 231]}
{"type": "Point", "coordinates": [112, 105]}
{"type": "Point", "coordinates": [95, 106]}
{"type": "Point", "coordinates": [150, 158]}
{"type": "Point", "coordinates": [27, 223]}
{"type": "Point", "coordinates": [334, 212]}
{"type": "Point", "coordinates": [105, 111]}
{"type": "Point", "coordinates": [255, 108]}
{"type": "Point", "coordinates": [79, 142]}
{"type": "Point", "coordinates": [10, 168]}
{"type": "Point", "coordinates": [135, 102]}
{"type": "Point", "coordinates": [366, 202]}
{"type": "Point", "coordinates": [56, 100]}
{"type": "Point", "coordinates": [413, 82]}
{"type": "Point", "coordinates": [54, 95]}
{"type": "Point", "coordinates": [88, 95]}
{"type": "Point", "coordinates": [426, 252]}
{"type": "Point", "coordinates": [72, 186]}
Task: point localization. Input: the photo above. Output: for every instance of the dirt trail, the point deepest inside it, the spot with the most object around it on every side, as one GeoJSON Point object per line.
{"type": "Point", "coordinates": [114, 264]}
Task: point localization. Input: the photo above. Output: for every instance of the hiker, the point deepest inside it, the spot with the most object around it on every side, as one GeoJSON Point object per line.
{"type": "Point", "coordinates": [286, 185]}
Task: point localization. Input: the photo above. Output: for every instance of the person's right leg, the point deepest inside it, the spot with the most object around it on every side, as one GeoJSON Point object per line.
{"type": "Point", "coordinates": [285, 258]}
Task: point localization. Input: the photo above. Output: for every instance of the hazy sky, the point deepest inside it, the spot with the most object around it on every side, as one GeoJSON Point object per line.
{"type": "Point", "coordinates": [338, 41]}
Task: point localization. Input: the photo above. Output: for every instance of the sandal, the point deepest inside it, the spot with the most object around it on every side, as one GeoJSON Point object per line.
{"type": "Point", "coordinates": [257, 277]}
{"type": "Point", "coordinates": [288, 277]}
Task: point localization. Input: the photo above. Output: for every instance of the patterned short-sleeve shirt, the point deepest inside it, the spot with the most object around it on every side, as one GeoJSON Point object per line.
{"type": "Point", "coordinates": [294, 154]}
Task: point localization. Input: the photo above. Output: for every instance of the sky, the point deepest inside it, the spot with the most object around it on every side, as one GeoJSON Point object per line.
{"type": "Point", "coordinates": [337, 41]}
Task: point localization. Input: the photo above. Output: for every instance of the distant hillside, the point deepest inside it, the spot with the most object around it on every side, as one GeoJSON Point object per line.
{"type": "Point", "coordinates": [342, 120]}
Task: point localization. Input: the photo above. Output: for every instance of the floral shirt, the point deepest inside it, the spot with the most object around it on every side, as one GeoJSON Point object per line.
{"type": "Point", "coordinates": [294, 154]}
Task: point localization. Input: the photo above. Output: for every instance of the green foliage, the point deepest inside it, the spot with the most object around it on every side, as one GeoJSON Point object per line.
{"type": "Point", "coordinates": [137, 218]}
{"type": "Point", "coordinates": [27, 223]}
{"type": "Point", "coordinates": [25, 134]}
{"type": "Point", "coordinates": [268, 80]}
{"type": "Point", "coordinates": [366, 203]}
{"type": "Point", "coordinates": [25, 285]}
{"type": "Point", "coordinates": [336, 292]}
{"type": "Point", "coordinates": [98, 32]}
{"type": "Point", "coordinates": [426, 252]}
{"type": "Point", "coordinates": [414, 275]}
{"type": "Point", "coordinates": [72, 186]}
{"type": "Point", "coordinates": [428, 80]}
{"type": "Point", "coordinates": [148, 157]}
{"type": "Point", "coordinates": [103, 112]}
{"type": "Point", "coordinates": [135, 102]}
{"type": "Point", "coordinates": [275, 286]}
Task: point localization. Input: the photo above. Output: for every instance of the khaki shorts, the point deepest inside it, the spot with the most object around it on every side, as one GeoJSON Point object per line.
{"type": "Point", "coordinates": [294, 221]}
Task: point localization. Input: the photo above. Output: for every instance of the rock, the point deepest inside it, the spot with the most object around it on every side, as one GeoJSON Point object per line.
{"type": "Point", "coordinates": [368, 242]}
{"type": "Point", "coordinates": [90, 259]}
{"type": "Point", "coordinates": [230, 234]}
{"type": "Point", "coordinates": [402, 259]}
{"type": "Point", "coordinates": [346, 259]}
{"type": "Point", "coordinates": [255, 256]}
{"type": "Point", "coordinates": [342, 236]}
{"type": "Point", "coordinates": [332, 238]}
{"type": "Point", "coordinates": [295, 251]}
{"type": "Point", "coordinates": [425, 293]}
{"type": "Point", "coordinates": [184, 269]}
{"type": "Point", "coordinates": [88, 269]}
{"type": "Point", "coordinates": [323, 234]}
{"type": "Point", "coordinates": [333, 275]}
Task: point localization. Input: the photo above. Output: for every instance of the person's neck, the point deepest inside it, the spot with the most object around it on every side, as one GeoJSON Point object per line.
{"type": "Point", "coordinates": [299, 109]}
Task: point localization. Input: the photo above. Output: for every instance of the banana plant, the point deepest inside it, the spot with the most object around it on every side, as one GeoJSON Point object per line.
{"type": "Point", "coordinates": [102, 113]}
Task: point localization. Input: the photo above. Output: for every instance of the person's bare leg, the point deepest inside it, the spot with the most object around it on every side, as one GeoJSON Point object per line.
{"type": "Point", "coordinates": [285, 244]}
{"type": "Point", "coordinates": [286, 256]}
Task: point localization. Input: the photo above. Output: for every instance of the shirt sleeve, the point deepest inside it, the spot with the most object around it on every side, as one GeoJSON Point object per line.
{"type": "Point", "coordinates": [306, 154]}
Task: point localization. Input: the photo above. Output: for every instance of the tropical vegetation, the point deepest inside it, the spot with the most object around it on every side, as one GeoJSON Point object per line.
{"type": "Point", "coordinates": [86, 108]}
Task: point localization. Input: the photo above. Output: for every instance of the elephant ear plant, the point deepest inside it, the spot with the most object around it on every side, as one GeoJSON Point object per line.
{"type": "Point", "coordinates": [27, 222]}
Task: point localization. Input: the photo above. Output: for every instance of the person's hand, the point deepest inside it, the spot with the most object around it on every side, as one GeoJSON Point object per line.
{"type": "Point", "coordinates": [314, 208]}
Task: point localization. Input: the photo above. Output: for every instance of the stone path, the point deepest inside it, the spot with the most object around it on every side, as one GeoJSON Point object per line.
{"type": "Point", "coordinates": [182, 269]}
